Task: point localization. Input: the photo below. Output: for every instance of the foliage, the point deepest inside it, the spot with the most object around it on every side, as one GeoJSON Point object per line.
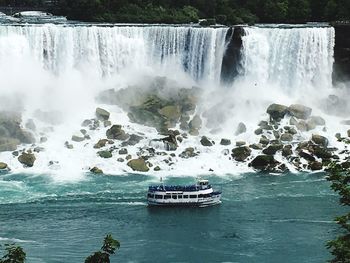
{"type": "Point", "coordinates": [108, 248]}
{"type": "Point", "coordinates": [186, 11]}
{"type": "Point", "coordinates": [14, 254]}
{"type": "Point", "coordinates": [339, 176]}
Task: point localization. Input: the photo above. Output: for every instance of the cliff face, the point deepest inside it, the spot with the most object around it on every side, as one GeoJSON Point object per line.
{"type": "Point", "coordinates": [341, 70]}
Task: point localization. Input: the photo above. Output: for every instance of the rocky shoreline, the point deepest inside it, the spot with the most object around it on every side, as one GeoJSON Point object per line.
{"type": "Point", "coordinates": [278, 145]}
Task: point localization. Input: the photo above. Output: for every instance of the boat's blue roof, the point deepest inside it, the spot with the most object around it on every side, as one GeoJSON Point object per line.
{"type": "Point", "coordinates": [187, 188]}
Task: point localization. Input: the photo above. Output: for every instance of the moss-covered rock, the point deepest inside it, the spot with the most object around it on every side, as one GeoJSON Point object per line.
{"type": "Point", "coordinates": [277, 111]}
{"type": "Point", "coordinates": [102, 114]}
{"type": "Point", "coordinates": [117, 133]}
{"type": "Point", "coordinates": [3, 166]}
{"type": "Point", "coordinates": [105, 154]}
{"type": "Point", "coordinates": [27, 159]}
{"type": "Point", "coordinates": [299, 111]}
{"type": "Point", "coordinates": [138, 165]}
{"type": "Point", "coordinates": [240, 154]}
{"type": "Point", "coordinates": [101, 143]}
{"type": "Point", "coordinates": [96, 170]}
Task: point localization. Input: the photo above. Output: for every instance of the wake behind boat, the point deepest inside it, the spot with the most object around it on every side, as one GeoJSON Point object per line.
{"type": "Point", "coordinates": [200, 195]}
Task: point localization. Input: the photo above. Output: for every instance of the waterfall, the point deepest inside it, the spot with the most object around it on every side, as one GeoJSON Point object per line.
{"type": "Point", "coordinates": [107, 50]}
{"type": "Point", "coordinates": [292, 58]}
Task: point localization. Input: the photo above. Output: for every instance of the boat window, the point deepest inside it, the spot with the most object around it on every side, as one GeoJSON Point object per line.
{"type": "Point", "coordinates": [185, 196]}
{"type": "Point", "coordinates": [180, 196]}
{"type": "Point", "coordinates": [174, 196]}
{"type": "Point", "coordinates": [193, 196]}
{"type": "Point", "coordinates": [201, 196]}
{"type": "Point", "coordinates": [167, 196]}
{"type": "Point", "coordinates": [159, 197]}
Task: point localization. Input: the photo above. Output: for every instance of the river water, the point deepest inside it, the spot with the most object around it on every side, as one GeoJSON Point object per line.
{"type": "Point", "coordinates": [263, 218]}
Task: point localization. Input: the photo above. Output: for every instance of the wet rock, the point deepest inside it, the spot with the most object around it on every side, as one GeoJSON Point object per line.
{"type": "Point", "coordinates": [30, 125]}
{"type": "Point", "coordinates": [302, 126]}
{"type": "Point", "coordinates": [256, 146]}
{"type": "Point", "coordinates": [188, 153]}
{"type": "Point", "coordinates": [133, 140]}
{"type": "Point", "coordinates": [3, 166]}
{"type": "Point", "coordinates": [307, 156]}
{"type": "Point", "coordinates": [277, 111]}
{"type": "Point", "coordinates": [299, 111]}
{"type": "Point", "coordinates": [96, 170]}
{"type": "Point", "coordinates": [320, 140]}
{"type": "Point", "coordinates": [321, 152]}
{"type": "Point", "coordinates": [265, 126]}
{"type": "Point", "coordinates": [225, 142]}
{"type": "Point", "coordinates": [86, 123]}
{"type": "Point", "coordinates": [117, 133]}
{"type": "Point", "coordinates": [276, 134]}
{"type": "Point", "coordinates": [8, 144]}
{"type": "Point", "coordinates": [39, 149]}
{"type": "Point", "coordinates": [101, 143]}
{"type": "Point", "coordinates": [338, 136]}
{"type": "Point", "coordinates": [264, 140]}
{"type": "Point", "coordinates": [317, 121]}
{"type": "Point", "coordinates": [170, 143]}
{"type": "Point", "coordinates": [128, 157]}
{"type": "Point", "coordinates": [240, 154]}
{"type": "Point", "coordinates": [102, 114]}
{"type": "Point", "coordinates": [123, 151]}
{"type": "Point", "coordinates": [107, 123]}
{"type": "Point", "coordinates": [348, 132]}
{"type": "Point", "coordinates": [68, 145]}
{"type": "Point", "coordinates": [287, 151]}
{"type": "Point", "coordinates": [241, 128]}
{"type": "Point", "coordinates": [105, 154]}
{"type": "Point", "coordinates": [27, 159]}
{"type": "Point", "coordinates": [286, 137]}
{"type": "Point", "coordinates": [121, 160]}
{"type": "Point", "coordinates": [272, 149]}
{"type": "Point", "coordinates": [240, 143]}
{"type": "Point", "coordinates": [15, 153]}
{"type": "Point", "coordinates": [293, 121]}
{"type": "Point", "coordinates": [315, 166]}
{"type": "Point", "coordinates": [258, 131]}
{"type": "Point", "coordinates": [265, 163]}
{"type": "Point", "coordinates": [157, 168]}
{"type": "Point", "coordinates": [171, 112]}
{"type": "Point", "coordinates": [206, 142]}
{"type": "Point", "coordinates": [76, 138]}
{"type": "Point", "coordinates": [138, 165]}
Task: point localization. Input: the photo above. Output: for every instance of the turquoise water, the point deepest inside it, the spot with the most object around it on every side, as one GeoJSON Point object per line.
{"type": "Point", "coordinates": [263, 218]}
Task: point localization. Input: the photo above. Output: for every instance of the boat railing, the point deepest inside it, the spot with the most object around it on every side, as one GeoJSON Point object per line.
{"type": "Point", "coordinates": [161, 188]}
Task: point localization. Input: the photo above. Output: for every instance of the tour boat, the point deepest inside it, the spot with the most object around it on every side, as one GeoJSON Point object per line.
{"type": "Point", "coordinates": [200, 195]}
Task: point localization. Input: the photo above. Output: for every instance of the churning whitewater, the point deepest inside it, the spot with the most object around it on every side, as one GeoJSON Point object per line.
{"type": "Point", "coordinates": [54, 76]}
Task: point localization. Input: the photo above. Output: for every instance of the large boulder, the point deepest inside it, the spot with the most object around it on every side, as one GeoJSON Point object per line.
{"type": "Point", "coordinates": [3, 166]}
{"type": "Point", "coordinates": [316, 121]}
{"type": "Point", "coordinates": [299, 111]}
{"type": "Point", "coordinates": [315, 166]}
{"type": "Point", "coordinates": [272, 149]}
{"type": "Point", "coordinates": [277, 111]}
{"type": "Point", "coordinates": [320, 140]}
{"type": "Point", "coordinates": [102, 114]}
{"type": "Point", "coordinates": [96, 170]}
{"type": "Point", "coordinates": [206, 142]}
{"type": "Point", "coordinates": [117, 133]}
{"type": "Point", "coordinates": [171, 112]}
{"type": "Point", "coordinates": [225, 142]}
{"type": "Point", "coordinates": [264, 163]}
{"type": "Point", "coordinates": [241, 128]}
{"type": "Point", "coordinates": [101, 143]}
{"type": "Point", "coordinates": [27, 159]}
{"type": "Point", "coordinates": [188, 153]}
{"type": "Point", "coordinates": [170, 143]}
{"type": "Point", "coordinates": [240, 154]}
{"type": "Point", "coordinates": [195, 124]}
{"type": "Point", "coordinates": [286, 137]}
{"type": "Point", "coordinates": [8, 144]}
{"type": "Point", "coordinates": [105, 154]}
{"type": "Point", "coordinates": [138, 165]}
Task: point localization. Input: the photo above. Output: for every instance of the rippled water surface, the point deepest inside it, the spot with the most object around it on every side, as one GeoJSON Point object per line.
{"type": "Point", "coordinates": [263, 218]}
